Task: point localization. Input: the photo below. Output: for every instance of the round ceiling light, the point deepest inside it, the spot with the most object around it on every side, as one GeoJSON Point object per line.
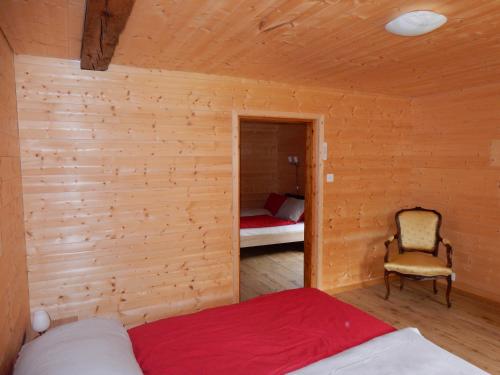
{"type": "Point", "coordinates": [415, 23]}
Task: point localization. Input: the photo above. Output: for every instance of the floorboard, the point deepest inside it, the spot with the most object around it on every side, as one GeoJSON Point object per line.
{"type": "Point", "coordinates": [469, 329]}
{"type": "Point", "coordinates": [268, 269]}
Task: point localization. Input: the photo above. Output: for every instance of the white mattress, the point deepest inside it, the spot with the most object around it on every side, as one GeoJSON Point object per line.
{"type": "Point", "coordinates": [282, 229]}
{"type": "Point", "coordinates": [269, 235]}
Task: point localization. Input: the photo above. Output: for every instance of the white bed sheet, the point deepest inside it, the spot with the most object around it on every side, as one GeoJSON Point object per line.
{"type": "Point", "coordinates": [397, 353]}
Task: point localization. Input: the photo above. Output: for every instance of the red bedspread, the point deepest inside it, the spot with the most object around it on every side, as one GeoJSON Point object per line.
{"type": "Point", "coordinates": [271, 334]}
{"type": "Point", "coordinates": [261, 221]}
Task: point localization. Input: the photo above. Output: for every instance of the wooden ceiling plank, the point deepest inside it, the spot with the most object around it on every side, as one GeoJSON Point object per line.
{"type": "Point", "coordinates": [104, 22]}
{"type": "Point", "coordinates": [261, 41]}
{"type": "Point", "coordinates": [211, 31]}
{"type": "Point", "coordinates": [339, 44]}
{"type": "Point", "coordinates": [234, 36]}
{"type": "Point", "coordinates": [171, 17]}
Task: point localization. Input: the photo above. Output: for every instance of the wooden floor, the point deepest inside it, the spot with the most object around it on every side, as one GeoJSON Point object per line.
{"type": "Point", "coordinates": [267, 269]}
{"type": "Point", "coordinates": [469, 329]}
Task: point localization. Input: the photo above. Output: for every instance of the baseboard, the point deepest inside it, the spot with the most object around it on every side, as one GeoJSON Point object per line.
{"type": "Point", "coordinates": [362, 284]}
{"type": "Point", "coordinates": [460, 288]}
{"type": "Point", "coordinates": [469, 291]}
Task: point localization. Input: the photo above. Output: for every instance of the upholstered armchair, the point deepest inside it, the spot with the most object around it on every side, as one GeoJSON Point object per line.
{"type": "Point", "coordinates": [418, 245]}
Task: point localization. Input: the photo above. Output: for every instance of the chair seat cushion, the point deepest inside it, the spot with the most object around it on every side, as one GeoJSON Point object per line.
{"type": "Point", "coordinates": [419, 264]}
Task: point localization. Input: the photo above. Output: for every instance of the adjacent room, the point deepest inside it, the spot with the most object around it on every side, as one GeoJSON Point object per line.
{"type": "Point", "coordinates": [272, 205]}
{"type": "Point", "coordinates": [249, 187]}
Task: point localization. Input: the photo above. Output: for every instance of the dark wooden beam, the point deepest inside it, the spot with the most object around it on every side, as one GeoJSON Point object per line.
{"type": "Point", "coordinates": [104, 22]}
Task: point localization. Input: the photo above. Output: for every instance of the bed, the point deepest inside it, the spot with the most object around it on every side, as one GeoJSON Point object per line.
{"type": "Point", "coordinates": [253, 233]}
{"type": "Point", "coordinates": [301, 331]}
{"type": "Point", "coordinates": [271, 334]}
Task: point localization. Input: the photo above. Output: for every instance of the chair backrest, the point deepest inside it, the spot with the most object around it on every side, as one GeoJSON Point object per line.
{"type": "Point", "coordinates": [418, 229]}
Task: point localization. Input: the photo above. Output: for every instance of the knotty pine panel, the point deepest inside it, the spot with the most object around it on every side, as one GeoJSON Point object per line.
{"type": "Point", "coordinates": [341, 44]}
{"type": "Point", "coordinates": [127, 184]}
{"type": "Point", "coordinates": [258, 163]}
{"type": "Point", "coordinates": [264, 166]}
{"type": "Point", "coordinates": [456, 171]}
{"type": "Point", "coordinates": [291, 141]}
{"type": "Point", "coordinates": [14, 304]}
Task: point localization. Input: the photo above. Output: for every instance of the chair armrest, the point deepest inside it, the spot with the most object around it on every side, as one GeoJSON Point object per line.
{"type": "Point", "coordinates": [387, 243]}
{"type": "Point", "coordinates": [449, 251]}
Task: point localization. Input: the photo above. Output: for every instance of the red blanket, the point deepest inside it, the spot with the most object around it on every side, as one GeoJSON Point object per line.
{"type": "Point", "coordinates": [262, 221]}
{"type": "Point", "coordinates": [271, 334]}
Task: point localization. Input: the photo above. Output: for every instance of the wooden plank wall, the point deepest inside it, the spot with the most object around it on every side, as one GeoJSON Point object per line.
{"type": "Point", "coordinates": [291, 141]}
{"type": "Point", "coordinates": [456, 170]}
{"type": "Point", "coordinates": [14, 311]}
{"type": "Point", "coordinates": [264, 160]}
{"type": "Point", "coordinates": [127, 184]}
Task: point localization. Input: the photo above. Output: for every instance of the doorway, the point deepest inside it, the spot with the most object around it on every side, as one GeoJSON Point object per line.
{"type": "Point", "coordinates": [312, 193]}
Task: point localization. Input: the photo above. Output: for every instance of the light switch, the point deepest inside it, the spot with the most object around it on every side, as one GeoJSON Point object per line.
{"type": "Point", "coordinates": [329, 177]}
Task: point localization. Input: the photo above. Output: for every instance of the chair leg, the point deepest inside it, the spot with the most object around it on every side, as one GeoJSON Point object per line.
{"type": "Point", "coordinates": [448, 291]}
{"type": "Point", "coordinates": [434, 286]}
{"type": "Point", "coordinates": [387, 286]}
{"type": "Point", "coordinates": [401, 283]}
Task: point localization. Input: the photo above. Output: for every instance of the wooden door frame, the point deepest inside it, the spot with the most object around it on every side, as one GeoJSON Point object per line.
{"type": "Point", "coordinates": [313, 241]}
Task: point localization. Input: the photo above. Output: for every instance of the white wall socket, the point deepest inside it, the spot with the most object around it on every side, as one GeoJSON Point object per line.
{"type": "Point", "coordinates": [453, 276]}
{"type": "Point", "coordinates": [330, 177]}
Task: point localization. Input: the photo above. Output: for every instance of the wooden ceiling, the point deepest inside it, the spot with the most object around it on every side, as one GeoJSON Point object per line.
{"type": "Point", "coordinates": [43, 27]}
{"type": "Point", "coordinates": [331, 43]}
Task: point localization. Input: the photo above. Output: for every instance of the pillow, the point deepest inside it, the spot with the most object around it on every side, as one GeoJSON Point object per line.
{"type": "Point", "coordinates": [274, 202]}
{"type": "Point", "coordinates": [92, 346]}
{"type": "Point", "coordinates": [297, 196]}
{"type": "Point", "coordinates": [292, 209]}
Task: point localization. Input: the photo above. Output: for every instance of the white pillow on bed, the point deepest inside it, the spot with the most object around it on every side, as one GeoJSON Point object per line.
{"type": "Point", "coordinates": [292, 209]}
{"type": "Point", "coordinates": [88, 347]}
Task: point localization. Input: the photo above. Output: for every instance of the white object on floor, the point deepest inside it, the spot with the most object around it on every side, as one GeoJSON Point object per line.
{"type": "Point", "coordinates": [402, 352]}
{"type": "Point", "coordinates": [87, 347]}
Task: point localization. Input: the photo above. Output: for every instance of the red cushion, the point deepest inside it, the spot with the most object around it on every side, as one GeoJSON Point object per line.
{"type": "Point", "coordinates": [274, 202]}
{"type": "Point", "coordinates": [301, 218]}
{"type": "Point", "coordinates": [272, 334]}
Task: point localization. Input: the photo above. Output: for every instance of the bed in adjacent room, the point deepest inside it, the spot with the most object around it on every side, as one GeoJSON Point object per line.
{"type": "Point", "coordinates": [258, 228]}
{"type": "Point", "coordinates": [281, 220]}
